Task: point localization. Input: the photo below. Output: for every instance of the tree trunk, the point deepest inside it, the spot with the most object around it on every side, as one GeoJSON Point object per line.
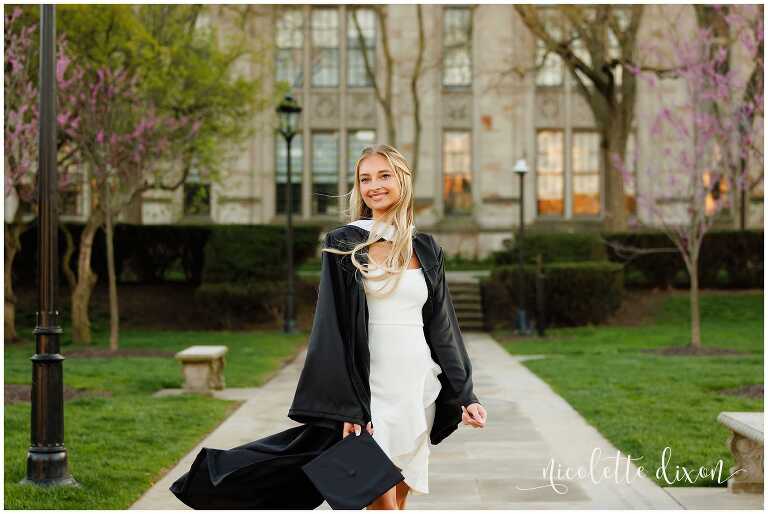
{"type": "Point", "coordinates": [13, 233]}
{"type": "Point", "coordinates": [389, 64]}
{"type": "Point", "coordinates": [86, 281]}
{"type": "Point", "coordinates": [693, 271]}
{"type": "Point", "coordinates": [67, 257]}
{"type": "Point", "coordinates": [614, 142]}
{"type": "Point", "coordinates": [742, 209]}
{"type": "Point", "coordinates": [391, 130]}
{"type": "Point", "coordinates": [383, 94]}
{"type": "Point", "coordinates": [114, 316]}
{"type": "Point", "coordinates": [415, 92]}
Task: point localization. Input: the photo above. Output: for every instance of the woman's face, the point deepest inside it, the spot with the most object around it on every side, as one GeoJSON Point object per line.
{"type": "Point", "coordinates": [378, 184]}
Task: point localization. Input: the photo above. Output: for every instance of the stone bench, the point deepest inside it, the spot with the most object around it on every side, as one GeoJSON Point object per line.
{"type": "Point", "coordinates": [202, 367]}
{"type": "Point", "coordinates": [746, 445]}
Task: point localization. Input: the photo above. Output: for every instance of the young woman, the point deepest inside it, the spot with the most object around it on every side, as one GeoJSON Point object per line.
{"type": "Point", "coordinates": [385, 353]}
{"type": "Point", "coordinates": [403, 379]}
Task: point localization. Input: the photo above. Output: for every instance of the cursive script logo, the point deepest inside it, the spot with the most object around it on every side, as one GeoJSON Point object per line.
{"type": "Point", "coordinates": [622, 469]}
{"type": "Point", "coordinates": [691, 476]}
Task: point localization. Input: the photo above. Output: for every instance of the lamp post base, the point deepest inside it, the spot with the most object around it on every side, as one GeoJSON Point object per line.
{"type": "Point", "coordinates": [522, 327]}
{"type": "Point", "coordinates": [54, 482]}
{"type": "Point", "coordinates": [289, 327]}
{"type": "Point", "coordinates": [48, 467]}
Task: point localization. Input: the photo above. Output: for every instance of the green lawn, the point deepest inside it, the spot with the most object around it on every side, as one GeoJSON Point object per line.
{"type": "Point", "coordinates": [644, 402]}
{"type": "Point", "coordinates": [119, 446]}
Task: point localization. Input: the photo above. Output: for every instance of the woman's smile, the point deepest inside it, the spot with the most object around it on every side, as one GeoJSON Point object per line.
{"type": "Point", "coordinates": [378, 184]}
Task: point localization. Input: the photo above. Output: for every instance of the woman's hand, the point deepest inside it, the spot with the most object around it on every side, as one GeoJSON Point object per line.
{"type": "Point", "coordinates": [352, 427]}
{"type": "Point", "coordinates": [474, 415]}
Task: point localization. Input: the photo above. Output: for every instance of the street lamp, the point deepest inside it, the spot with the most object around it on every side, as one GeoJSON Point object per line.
{"type": "Point", "coordinates": [47, 456]}
{"type": "Point", "coordinates": [288, 115]}
{"type": "Point", "coordinates": [520, 169]}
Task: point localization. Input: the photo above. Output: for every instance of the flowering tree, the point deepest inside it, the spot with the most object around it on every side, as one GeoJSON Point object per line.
{"type": "Point", "coordinates": [748, 22]}
{"type": "Point", "coordinates": [120, 136]}
{"type": "Point", "coordinates": [170, 102]}
{"type": "Point", "coordinates": [702, 140]}
{"type": "Point", "coordinates": [21, 147]}
{"type": "Point", "coordinates": [20, 116]}
{"type": "Point", "coordinates": [742, 25]}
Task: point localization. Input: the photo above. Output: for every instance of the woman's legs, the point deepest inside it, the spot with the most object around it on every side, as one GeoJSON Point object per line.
{"type": "Point", "coordinates": [402, 494]}
{"type": "Point", "coordinates": [387, 501]}
{"type": "Point", "coordinates": [394, 499]}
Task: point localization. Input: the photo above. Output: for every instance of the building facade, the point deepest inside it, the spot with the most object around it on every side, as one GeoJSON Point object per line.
{"type": "Point", "coordinates": [478, 115]}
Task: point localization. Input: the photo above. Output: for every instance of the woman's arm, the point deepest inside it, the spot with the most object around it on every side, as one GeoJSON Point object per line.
{"type": "Point", "coordinates": [447, 339]}
{"type": "Point", "coordinates": [325, 389]}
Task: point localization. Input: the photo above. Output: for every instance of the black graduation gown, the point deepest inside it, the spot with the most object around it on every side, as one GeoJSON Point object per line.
{"type": "Point", "coordinates": [333, 388]}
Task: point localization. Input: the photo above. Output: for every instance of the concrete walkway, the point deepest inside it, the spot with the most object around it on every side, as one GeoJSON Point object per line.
{"type": "Point", "coordinates": [502, 466]}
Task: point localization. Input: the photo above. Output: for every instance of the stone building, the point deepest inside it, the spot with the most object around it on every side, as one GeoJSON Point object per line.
{"type": "Point", "coordinates": [477, 121]}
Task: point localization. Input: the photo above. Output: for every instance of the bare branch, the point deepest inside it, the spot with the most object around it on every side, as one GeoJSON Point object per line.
{"type": "Point", "coordinates": [366, 61]}
{"type": "Point", "coordinates": [415, 89]}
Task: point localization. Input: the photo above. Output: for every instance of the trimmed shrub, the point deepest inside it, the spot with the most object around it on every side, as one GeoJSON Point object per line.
{"type": "Point", "coordinates": [154, 249]}
{"type": "Point", "coordinates": [729, 259]}
{"type": "Point", "coordinates": [146, 253]}
{"type": "Point", "coordinates": [234, 305]}
{"type": "Point", "coordinates": [25, 264]}
{"type": "Point", "coordinates": [553, 247]}
{"type": "Point", "coordinates": [245, 270]}
{"type": "Point", "coordinates": [575, 293]}
{"type": "Point", "coordinates": [243, 253]}
{"type": "Point", "coordinates": [229, 303]}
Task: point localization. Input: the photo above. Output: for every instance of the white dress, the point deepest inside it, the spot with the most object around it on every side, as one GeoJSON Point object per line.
{"type": "Point", "coordinates": [403, 376]}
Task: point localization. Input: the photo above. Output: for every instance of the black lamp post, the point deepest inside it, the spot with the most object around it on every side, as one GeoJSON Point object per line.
{"type": "Point", "coordinates": [288, 113]}
{"type": "Point", "coordinates": [520, 169]}
{"type": "Point", "coordinates": [47, 456]}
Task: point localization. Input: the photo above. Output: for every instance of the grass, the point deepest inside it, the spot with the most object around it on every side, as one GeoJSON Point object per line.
{"type": "Point", "coordinates": [119, 446]}
{"type": "Point", "coordinates": [643, 402]}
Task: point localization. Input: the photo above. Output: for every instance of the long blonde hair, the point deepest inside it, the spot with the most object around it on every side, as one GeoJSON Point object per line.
{"type": "Point", "coordinates": [399, 216]}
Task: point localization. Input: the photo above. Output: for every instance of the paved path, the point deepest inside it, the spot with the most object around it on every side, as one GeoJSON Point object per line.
{"type": "Point", "coordinates": [528, 424]}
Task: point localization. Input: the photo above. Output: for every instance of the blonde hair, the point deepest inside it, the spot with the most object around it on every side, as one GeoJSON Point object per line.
{"type": "Point", "coordinates": [399, 216]}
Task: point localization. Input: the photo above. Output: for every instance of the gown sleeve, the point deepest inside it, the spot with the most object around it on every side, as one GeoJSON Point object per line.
{"type": "Point", "coordinates": [448, 341]}
{"type": "Point", "coordinates": [325, 391]}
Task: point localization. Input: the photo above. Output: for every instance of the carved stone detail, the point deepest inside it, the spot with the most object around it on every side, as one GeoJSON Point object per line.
{"type": "Point", "coordinates": [457, 110]}
{"type": "Point", "coordinates": [549, 111]}
{"type": "Point", "coordinates": [361, 110]}
{"type": "Point", "coordinates": [748, 457]}
{"type": "Point", "coordinates": [325, 110]}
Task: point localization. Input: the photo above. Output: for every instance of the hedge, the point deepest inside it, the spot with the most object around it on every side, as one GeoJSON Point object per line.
{"type": "Point", "coordinates": [242, 253]}
{"type": "Point", "coordinates": [730, 259]}
{"type": "Point", "coordinates": [230, 305]}
{"type": "Point", "coordinates": [146, 253]}
{"type": "Point", "coordinates": [553, 247]}
{"type": "Point", "coordinates": [575, 293]}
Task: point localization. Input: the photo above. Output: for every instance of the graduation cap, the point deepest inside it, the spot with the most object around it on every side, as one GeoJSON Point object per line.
{"type": "Point", "coordinates": [352, 473]}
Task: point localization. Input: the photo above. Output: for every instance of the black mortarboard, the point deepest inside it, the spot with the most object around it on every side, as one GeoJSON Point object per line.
{"type": "Point", "coordinates": [353, 472]}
